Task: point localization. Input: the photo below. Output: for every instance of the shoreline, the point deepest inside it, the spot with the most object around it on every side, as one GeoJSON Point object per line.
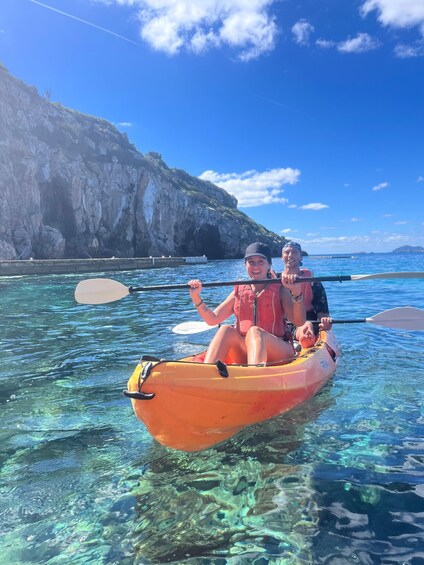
{"type": "Point", "coordinates": [10, 268]}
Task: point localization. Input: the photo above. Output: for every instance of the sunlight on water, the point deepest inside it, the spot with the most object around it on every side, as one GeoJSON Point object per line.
{"type": "Point", "coordinates": [338, 480]}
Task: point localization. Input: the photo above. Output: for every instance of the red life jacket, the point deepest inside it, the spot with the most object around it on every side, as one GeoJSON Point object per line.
{"type": "Point", "coordinates": [264, 311]}
{"type": "Point", "coordinates": [307, 290]}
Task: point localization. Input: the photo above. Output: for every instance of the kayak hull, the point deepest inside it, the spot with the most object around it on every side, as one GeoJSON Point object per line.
{"type": "Point", "coordinates": [190, 406]}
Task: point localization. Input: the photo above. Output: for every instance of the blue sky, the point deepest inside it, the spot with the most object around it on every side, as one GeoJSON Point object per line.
{"type": "Point", "coordinates": [311, 113]}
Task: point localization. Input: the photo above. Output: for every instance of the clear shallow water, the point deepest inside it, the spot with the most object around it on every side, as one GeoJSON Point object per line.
{"type": "Point", "coordinates": [339, 480]}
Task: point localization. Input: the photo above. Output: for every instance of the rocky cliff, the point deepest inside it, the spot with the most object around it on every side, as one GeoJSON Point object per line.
{"type": "Point", "coordinates": [72, 185]}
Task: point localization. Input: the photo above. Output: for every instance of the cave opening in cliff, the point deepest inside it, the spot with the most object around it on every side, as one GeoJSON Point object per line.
{"type": "Point", "coordinates": [206, 240]}
{"type": "Point", "coordinates": [56, 207]}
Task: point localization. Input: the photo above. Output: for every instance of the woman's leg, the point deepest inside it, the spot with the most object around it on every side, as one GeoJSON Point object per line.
{"type": "Point", "coordinates": [226, 341]}
{"type": "Point", "coordinates": [263, 347]}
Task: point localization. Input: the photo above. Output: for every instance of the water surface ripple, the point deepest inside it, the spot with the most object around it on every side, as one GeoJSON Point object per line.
{"type": "Point", "coordinates": [339, 480]}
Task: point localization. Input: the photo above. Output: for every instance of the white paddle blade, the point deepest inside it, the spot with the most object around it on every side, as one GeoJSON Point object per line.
{"type": "Point", "coordinates": [99, 291]}
{"type": "Point", "coordinates": [399, 275]}
{"type": "Point", "coordinates": [187, 328]}
{"type": "Point", "coordinates": [407, 318]}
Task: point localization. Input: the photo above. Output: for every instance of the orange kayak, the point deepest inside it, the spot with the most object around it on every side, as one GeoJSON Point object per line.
{"type": "Point", "coordinates": [190, 405]}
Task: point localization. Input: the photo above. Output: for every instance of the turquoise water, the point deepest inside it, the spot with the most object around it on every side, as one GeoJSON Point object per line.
{"type": "Point", "coordinates": [339, 480]}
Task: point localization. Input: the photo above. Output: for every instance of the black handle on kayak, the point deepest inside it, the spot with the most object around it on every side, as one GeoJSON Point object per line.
{"type": "Point", "coordinates": [139, 395]}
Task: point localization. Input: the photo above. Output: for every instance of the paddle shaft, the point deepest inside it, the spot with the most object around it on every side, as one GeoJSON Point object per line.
{"type": "Point", "coordinates": [339, 278]}
{"type": "Point", "coordinates": [102, 291]}
{"type": "Point", "coordinates": [403, 318]}
{"type": "Point", "coordinates": [361, 321]}
{"type": "Point", "coordinates": [336, 278]}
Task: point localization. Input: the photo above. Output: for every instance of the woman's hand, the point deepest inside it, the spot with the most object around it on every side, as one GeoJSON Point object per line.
{"type": "Point", "coordinates": [195, 290]}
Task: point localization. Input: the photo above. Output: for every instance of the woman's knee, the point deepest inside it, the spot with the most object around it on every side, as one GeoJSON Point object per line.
{"type": "Point", "coordinates": [225, 337]}
{"type": "Point", "coordinates": [226, 331]}
{"type": "Point", "coordinates": [227, 340]}
{"type": "Point", "coordinates": [255, 332]}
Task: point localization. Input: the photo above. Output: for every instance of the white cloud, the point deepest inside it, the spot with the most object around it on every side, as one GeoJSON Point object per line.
{"type": "Point", "coordinates": [314, 206]}
{"type": "Point", "coordinates": [292, 206]}
{"type": "Point", "coordinates": [400, 223]}
{"type": "Point", "coordinates": [374, 241]}
{"type": "Point", "coordinates": [359, 44]}
{"type": "Point", "coordinates": [253, 188]}
{"type": "Point", "coordinates": [399, 14]}
{"type": "Point", "coordinates": [124, 124]}
{"type": "Point", "coordinates": [336, 239]}
{"type": "Point", "coordinates": [325, 43]}
{"type": "Point", "coordinates": [380, 186]}
{"type": "Point", "coordinates": [396, 13]}
{"type": "Point", "coordinates": [288, 230]}
{"type": "Point", "coordinates": [404, 51]}
{"type": "Point", "coordinates": [356, 220]}
{"type": "Point", "coordinates": [302, 31]}
{"type": "Point", "coordinates": [420, 179]}
{"type": "Point", "coordinates": [195, 26]}
{"type": "Point", "coordinates": [251, 29]}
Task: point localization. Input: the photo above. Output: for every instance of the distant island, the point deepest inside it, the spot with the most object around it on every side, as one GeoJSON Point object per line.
{"type": "Point", "coordinates": [409, 249]}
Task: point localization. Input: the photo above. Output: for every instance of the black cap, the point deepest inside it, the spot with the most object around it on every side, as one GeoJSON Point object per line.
{"type": "Point", "coordinates": [293, 244]}
{"type": "Point", "coordinates": [258, 248]}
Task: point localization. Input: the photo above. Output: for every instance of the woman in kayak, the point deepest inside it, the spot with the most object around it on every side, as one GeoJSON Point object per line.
{"type": "Point", "coordinates": [260, 335]}
{"type": "Point", "coordinates": [314, 294]}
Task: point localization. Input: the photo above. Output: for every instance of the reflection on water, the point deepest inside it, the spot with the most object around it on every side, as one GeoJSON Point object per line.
{"type": "Point", "coordinates": [246, 495]}
{"type": "Point", "coordinates": [338, 480]}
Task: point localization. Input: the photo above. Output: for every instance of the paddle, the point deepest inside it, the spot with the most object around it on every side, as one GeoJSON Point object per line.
{"type": "Point", "coordinates": [187, 328]}
{"type": "Point", "coordinates": [102, 291]}
{"type": "Point", "coordinates": [406, 318]}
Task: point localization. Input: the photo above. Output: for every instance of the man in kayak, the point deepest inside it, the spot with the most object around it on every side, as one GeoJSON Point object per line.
{"type": "Point", "coordinates": [314, 295]}
{"type": "Point", "coordinates": [305, 335]}
{"type": "Point", "coordinates": [260, 335]}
